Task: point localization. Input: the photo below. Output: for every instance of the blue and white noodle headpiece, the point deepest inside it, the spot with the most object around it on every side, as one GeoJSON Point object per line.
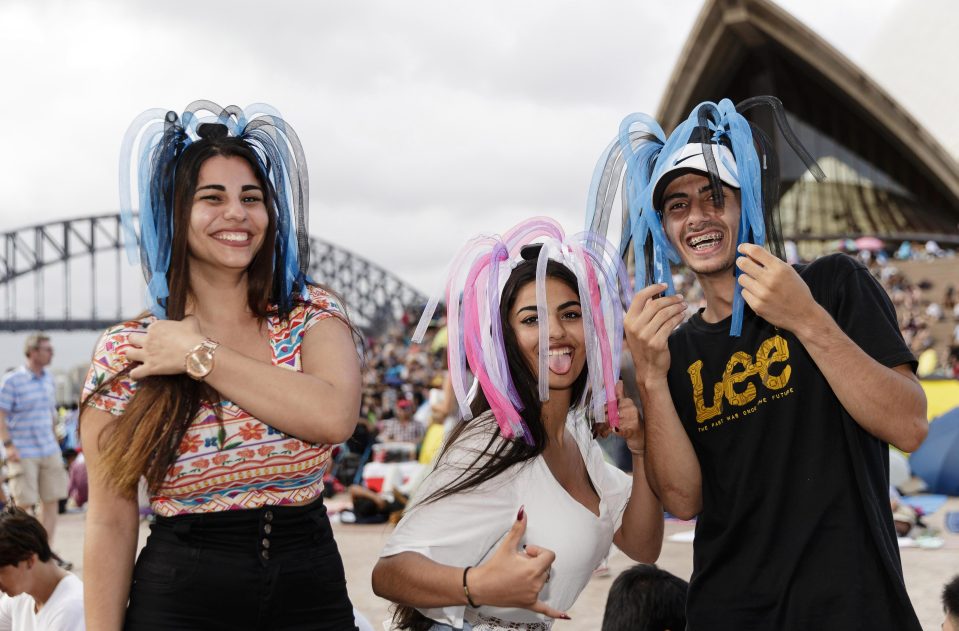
{"type": "Point", "coordinates": [716, 140]}
{"type": "Point", "coordinates": [149, 155]}
{"type": "Point", "coordinates": [474, 289]}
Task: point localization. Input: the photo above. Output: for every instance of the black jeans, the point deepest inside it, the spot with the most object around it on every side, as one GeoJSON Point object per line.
{"type": "Point", "coordinates": [273, 568]}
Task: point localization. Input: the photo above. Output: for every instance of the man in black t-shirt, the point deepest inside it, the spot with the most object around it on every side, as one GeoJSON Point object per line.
{"type": "Point", "coordinates": [776, 438]}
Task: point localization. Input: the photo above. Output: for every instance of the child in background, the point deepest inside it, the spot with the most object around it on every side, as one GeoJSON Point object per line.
{"type": "Point", "coordinates": [646, 598]}
{"type": "Point", "coordinates": [39, 594]}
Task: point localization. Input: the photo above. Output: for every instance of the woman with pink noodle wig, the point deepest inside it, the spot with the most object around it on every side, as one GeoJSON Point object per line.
{"type": "Point", "coordinates": [521, 507]}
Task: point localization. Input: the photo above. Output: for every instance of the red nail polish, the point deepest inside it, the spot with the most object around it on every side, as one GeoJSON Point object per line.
{"type": "Point", "coordinates": [519, 515]}
{"type": "Point", "coordinates": [565, 617]}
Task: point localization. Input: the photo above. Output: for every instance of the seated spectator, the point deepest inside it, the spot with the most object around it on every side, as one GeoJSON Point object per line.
{"type": "Point", "coordinates": [42, 595]}
{"type": "Point", "coordinates": [395, 375]}
{"type": "Point", "coordinates": [71, 428]}
{"type": "Point", "coordinates": [904, 517]}
{"type": "Point", "coordinates": [928, 362]}
{"type": "Point", "coordinates": [949, 298]}
{"type": "Point", "coordinates": [370, 507]}
{"type": "Point", "coordinates": [432, 441]}
{"type": "Point", "coordinates": [402, 428]}
{"type": "Point", "coordinates": [362, 438]}
{"type": "Point", "coordinates": [422, 412]}
{"type": "Point", "coordinates": [646, 598]}
{"type": "Point", "coordinates": [950, 605]}
{"type": "Point", "coordinates": [905, 251]}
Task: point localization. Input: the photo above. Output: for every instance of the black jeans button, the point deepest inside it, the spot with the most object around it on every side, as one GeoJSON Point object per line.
{"type": "Point", "coordinates": [268, 515]}
{"type": "Point", "coordinates": [265, 543]}
{"type": "Point", "coordinates": [268, 529]}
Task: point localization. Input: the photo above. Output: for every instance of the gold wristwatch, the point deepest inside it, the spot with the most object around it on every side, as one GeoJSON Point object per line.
{"type": "Point", "coordinates": [199, 361]}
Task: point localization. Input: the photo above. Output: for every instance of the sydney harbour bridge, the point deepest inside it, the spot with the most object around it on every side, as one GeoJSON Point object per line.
{"type": "Point", "coordinates": [73, 275]}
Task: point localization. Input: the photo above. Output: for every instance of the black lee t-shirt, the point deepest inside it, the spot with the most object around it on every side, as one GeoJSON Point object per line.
{"type": "Point", "coordinates": [796, 530]}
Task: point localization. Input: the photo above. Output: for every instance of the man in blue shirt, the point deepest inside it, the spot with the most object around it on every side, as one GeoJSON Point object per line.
{"type": "Point", "coordinates": [27, 416]}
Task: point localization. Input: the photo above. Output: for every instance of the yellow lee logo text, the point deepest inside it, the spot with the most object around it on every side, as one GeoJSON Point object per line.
{"type": "Point", "coordinates": [739, 369]}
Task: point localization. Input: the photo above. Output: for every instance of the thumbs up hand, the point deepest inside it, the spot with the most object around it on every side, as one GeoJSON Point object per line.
{"type": "Point", "coordinates": [514, 576]}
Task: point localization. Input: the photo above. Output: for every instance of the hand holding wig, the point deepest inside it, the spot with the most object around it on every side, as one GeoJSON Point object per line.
{"type": "Point", "coordinates": [715, 140]}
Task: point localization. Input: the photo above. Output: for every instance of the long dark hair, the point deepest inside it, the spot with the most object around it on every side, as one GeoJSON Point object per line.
{"type": "Point", "coordinates": [499, 455]}
{"type": "Point", "coordinates": [145, 440]}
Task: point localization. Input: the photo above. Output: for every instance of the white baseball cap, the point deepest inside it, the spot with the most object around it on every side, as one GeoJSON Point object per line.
{"type": "Point", "coordinates": [690, 159]}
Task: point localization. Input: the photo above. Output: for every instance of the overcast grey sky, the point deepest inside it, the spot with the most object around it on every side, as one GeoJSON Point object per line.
{"type": "Point", "coordinates": [424, 122]}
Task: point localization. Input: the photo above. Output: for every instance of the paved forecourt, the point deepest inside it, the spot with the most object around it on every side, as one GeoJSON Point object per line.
{"type": "Point", "coordinates": [926, 571]}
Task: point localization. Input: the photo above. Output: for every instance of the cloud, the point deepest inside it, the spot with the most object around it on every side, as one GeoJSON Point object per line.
{"type": "Point", "coordinates": [423, 122]}
{"type": "Point", "coordinates": [406, 111]}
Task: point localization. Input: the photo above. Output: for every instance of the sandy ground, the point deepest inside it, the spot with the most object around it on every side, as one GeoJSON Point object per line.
{"type": "Point", "coordinates": [925, 570]}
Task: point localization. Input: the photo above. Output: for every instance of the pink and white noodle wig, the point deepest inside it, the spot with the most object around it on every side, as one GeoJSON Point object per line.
{"type": "Point", "coordinates": [474, 288]}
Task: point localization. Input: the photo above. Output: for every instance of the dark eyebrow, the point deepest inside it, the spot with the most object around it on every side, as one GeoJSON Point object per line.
{"type": "Point", "coordinates": [726, 189]}
{"type": "Point", "coordinates": [565, 305]}
{"type": "Point", "coordinates": [675, 195]}
{"type": "Point", "coordinates": [220, 187]}
{"type": "Point", "coordinates": [679, 194]}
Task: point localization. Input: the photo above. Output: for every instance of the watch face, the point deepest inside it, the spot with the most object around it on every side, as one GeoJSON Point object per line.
{"type": "Point", "coordinates": [199, 362]}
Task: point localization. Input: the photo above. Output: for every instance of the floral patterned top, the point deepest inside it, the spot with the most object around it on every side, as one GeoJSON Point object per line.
{"type": "Point", "coordinates": [238, 463]}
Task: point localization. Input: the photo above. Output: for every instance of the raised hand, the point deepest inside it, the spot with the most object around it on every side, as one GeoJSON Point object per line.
{"type": "Point", "coordinates": [630, 427]}
{"type": "Point", "coordinates": [163, 347]}
{"type": "Point", "coordinates": [647, 324]}
{"type": "Point", "coordinates": [629, 422]}
{"type": "Point", "coordinates": [514, 577]}
{"type": "Point", "coordinates": [773, 289]}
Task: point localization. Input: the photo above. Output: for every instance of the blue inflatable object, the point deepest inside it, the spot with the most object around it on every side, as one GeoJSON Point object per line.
{"type": "Point", "coordinates": [937, 460]}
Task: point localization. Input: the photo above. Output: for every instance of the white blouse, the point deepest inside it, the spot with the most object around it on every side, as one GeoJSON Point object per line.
{"type": "Point", "coordinates": [466, 528]}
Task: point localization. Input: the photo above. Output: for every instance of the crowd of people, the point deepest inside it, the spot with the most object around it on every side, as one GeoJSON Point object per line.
{"type": "Point", "coordinates": [399, 376]}
{"type": "Point", "coordinates": [770, 395]}
{"type": "Point", "coordinates": [920, 306]}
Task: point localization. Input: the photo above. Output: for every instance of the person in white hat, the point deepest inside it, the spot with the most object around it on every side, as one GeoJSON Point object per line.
{"type": "Point", "coordinates": [768, 413]}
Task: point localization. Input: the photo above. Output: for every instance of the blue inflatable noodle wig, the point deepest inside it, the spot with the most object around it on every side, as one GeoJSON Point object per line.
{"type": "Point", "coordinates": [715, 139]}
{"type": "Point", "coordinates": [151, 151]}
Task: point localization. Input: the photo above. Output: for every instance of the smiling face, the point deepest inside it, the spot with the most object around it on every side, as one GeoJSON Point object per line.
{"type": "Point", "coordinates": [567, 348]}
{"type": "Point", "coordinates": [702, 232]}
{"type": "Point", "coordinates": [228, 217]}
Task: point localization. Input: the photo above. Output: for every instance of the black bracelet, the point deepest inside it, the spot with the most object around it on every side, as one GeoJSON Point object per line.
{"type": "Point", "coordinates": [466, 590]}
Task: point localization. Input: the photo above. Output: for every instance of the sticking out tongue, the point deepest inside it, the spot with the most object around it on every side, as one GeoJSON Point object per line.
{"type": "Point", "coordinates": [560, 363]}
